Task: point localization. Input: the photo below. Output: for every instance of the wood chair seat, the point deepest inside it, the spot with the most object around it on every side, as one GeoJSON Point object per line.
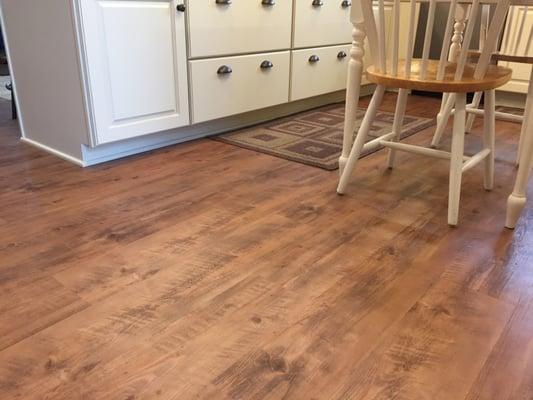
{"type": "Point", "coordinates": [495, 77]}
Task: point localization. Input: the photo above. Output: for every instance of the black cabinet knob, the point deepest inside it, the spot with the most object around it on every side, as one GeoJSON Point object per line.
{"type": "Point", "coordinates": [266, 64]}
{"type": "Point", "coordinates": [341, 54]}
{"type": "Point", "coordinates": [317, 3]}
{"type": "Point", "coordinates": [224, 70]}
{"type": "Point", "coordinates": [314, 59]}
{"type": "Point", "coordinates": [181, 7]}
{"type": "Point", "coordinates": [223, 2]}
{"type": "Point", "coordinates": [346, 3]}
{"type": "Point", "coordinates": [268, 2]}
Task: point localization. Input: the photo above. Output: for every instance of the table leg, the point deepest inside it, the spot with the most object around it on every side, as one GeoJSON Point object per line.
{"type": "Point", "coordinates": [525, 121]}
{"type": "Point", "coordinates": [517, 200]}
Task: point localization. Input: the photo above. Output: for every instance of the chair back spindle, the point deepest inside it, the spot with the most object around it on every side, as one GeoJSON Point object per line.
{"type": "Point", "coordinates": [427, 38]}
{"type": "Point", "coordinates": [410, 39]}
{"type": "Point", "coordinates": [447, 39]}
{"type": "Point", "coordinates": [396, 36]}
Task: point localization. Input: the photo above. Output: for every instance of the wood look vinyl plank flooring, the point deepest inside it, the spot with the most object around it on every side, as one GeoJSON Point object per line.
{"type": "Point", "coordinates": [207, 271]}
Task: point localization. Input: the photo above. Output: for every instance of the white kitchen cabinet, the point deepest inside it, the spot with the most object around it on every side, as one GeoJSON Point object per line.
{"type": "Point", "coordinates": [224, 27]}
{"type": "Point", "coordinates": [136, 67]}
{"type": "Point", "coordinates": [103, 79]}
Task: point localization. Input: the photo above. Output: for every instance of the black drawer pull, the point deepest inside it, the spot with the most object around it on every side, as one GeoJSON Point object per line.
{"type": "Point", "coordinates": [317, 3]}
{"type": "Point", "coordinates": [346, 3]}
{"type": "Point", "coordinates": [314, 59]}
{"type": "Point", "coordinates": [342, 54]}
{"type": "Point", "coordinates": [223, 2]}
{"type": "Point", "coordinates": [268, 2]}
{"type": "Point", "coordinates": [224, 70]}
{"type": "Point", "coordinates": [181, 7]}
{"type": "Point", "coordinates": [266, 64]}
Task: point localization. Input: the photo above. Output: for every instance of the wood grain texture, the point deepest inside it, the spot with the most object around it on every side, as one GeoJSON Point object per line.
{"type": "Point", "coordinates": [495, 77]}
{"type": "Point", "coordinates": [206, 271]}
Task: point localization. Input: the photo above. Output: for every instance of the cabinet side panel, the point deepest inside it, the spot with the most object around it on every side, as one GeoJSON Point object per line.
{"type": "Point", "coordinates": [44, 61]}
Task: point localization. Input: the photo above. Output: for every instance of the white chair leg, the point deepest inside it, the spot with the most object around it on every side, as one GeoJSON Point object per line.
{"type": "Point", "coordinates": [442, 120]}
{"type": "Point", "coordinates": [353, 88]}
{"type": "Point", "coordinates": [517, 200]}
{"type": "Point", "coordinates": [471, 117]}
{"type": "Point", "coordinates": [360, 138]}
{"type": "Point", "coordinates": [397, 126]}
{"type": "Point", "coordinates": [489, 137]}
{"type": "Point", "coordinates": [442, 106]}
{"type": "Point", "coordinates": [527, 112]}
{"type": "Point", "coordinates": [456, 162]}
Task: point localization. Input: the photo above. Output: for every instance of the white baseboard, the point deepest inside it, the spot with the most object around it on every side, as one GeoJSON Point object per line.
{"type": "Point", "coordinates": [510, 99]}
{"type": "Point", "coordinates": [55, 152]}
{"type": "Point", "coordinates": [124, 148]}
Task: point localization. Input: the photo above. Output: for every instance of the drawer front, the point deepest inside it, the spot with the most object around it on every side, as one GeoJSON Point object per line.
{"type": "Point", "coordinates": [232, 85]}
{"type": "Point", "coordinates": [319, 71]}
{"type": "Point", "coordinates": [322, 25]}
{"type": "Point", "coordinates": [242, 26]}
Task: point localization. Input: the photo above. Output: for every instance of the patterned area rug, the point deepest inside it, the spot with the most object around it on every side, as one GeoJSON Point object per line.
{"type": "Point", "coordinates": [314, 137]}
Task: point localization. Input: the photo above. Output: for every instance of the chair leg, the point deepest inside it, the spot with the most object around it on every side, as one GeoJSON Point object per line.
{"type": "Point", "coordinates": [472, 117]}
{"type": "Point", "coordinates": [442, 119]}
{"type": "Point", "coordinates": [489, 137]}
{"type": "Point", "coordinates": [456, 162]}
{"type": "Point", "coordinates": [360, 138]}
{"type": "Point", "coordinates": [350, 119]}
{"type": "Point", "coordinates": [353, 89]}
{"type": "Point", "coordinates": [399, 115]}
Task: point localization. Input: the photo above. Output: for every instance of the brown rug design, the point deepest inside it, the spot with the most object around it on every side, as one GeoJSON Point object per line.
{"type": "Point", "coordinates": [314, 137]}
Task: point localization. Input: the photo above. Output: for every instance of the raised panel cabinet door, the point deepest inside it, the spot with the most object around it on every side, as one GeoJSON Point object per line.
{"type": "Point", "coordinates": [136, 64]}
{"type": "Point", "coordinates": [228, 27]}
{"type": "Point", "coordinates": [322, 22]}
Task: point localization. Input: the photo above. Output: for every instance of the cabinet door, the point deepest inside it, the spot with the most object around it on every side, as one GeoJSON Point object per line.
{"type": "Point", "coordinates": [136, 66]}
{"type": "Point", "coordinates": [513, 43]}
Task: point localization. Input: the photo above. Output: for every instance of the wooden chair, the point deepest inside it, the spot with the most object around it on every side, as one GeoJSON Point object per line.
{"type": "Point", "coordinates": [513, 50]}
{"type": "Point", "coordinates": [455, 77]}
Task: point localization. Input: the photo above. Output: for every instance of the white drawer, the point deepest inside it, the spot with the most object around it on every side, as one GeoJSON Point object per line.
{"type": "Point", "coordinates": [243, 26]}
{"type": "Point", "coordinates": [322, 25]}
{"type": "Point", "coordinates": [318, 71]}
{"type": "Point", "coordinates": [250, 85]}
